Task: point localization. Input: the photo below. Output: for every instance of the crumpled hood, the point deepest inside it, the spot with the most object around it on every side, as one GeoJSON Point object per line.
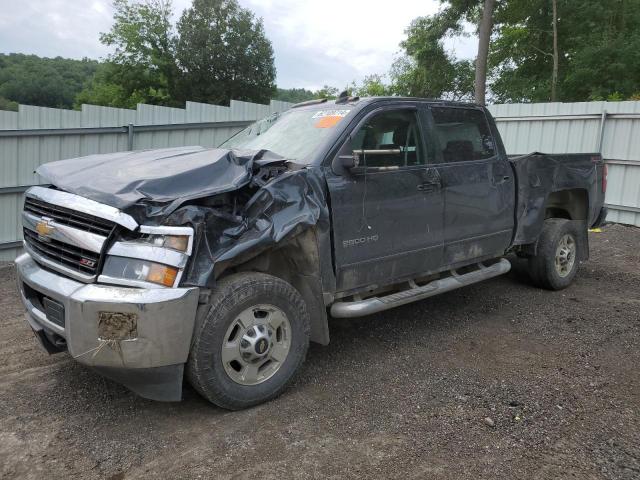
{"type": "Point", "coordinates": [168, 175]}
{"type": "Point", "coordinates": [269, 203]}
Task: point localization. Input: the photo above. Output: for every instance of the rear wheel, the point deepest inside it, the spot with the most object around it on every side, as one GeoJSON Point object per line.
{"type": "Point", "coordinates": [250, 344]}
{"type": "Point", "coordinates": [556, 263]}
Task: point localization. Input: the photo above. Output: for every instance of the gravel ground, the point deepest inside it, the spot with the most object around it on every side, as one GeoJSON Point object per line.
{"type": "Point", "coordinates": [496, 380]}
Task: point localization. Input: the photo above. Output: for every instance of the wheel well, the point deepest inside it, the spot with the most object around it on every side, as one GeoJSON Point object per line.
{"type": "Point", "coordinates": [572, 204]}
{"type": "Point", "coordinates": [296, 261]}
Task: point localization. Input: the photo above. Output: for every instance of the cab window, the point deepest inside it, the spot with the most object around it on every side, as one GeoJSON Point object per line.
{"type": "Point", "coordinates": [463, 134]}
{"type": "Point", "coordinates": [389, 139]}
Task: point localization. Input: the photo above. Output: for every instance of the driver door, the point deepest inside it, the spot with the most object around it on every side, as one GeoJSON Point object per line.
{"type": "Point", "coordinates": [387, 213]}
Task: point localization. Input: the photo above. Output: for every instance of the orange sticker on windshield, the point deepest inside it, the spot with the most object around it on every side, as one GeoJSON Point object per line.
{"type": "Point", "coordinates": [328, 122]}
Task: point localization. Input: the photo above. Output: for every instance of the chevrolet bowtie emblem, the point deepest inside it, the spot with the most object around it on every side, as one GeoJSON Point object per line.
{"type": "Point", "coordinates": [44, 228]}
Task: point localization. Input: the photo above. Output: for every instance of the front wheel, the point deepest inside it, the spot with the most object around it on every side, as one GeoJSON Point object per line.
{"type": "Point", "coordinates": [556, 263]}
{"type": "Point", "coordinates": [252, 341]}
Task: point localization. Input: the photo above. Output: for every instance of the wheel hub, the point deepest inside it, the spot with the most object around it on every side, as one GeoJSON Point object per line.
{"type": "Point", "coordinates": [256, 344]}
{"type": "Point", "coordinates": [565, 255]}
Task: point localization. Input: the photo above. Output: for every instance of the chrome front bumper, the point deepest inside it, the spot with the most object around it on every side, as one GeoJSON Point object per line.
{"type": "Point", "coordinates": [151, 363]}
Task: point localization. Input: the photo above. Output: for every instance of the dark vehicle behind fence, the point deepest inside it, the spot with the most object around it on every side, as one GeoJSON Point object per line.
{"type": "Point", "coordinates": [223, 264]}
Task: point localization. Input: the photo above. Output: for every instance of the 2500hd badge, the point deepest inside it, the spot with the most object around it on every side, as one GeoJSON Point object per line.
{"type": "Point", "coordinates": [359, 241]}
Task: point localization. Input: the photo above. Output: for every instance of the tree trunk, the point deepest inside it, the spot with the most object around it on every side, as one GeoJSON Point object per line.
{"type": "Point", "coordinates": [554, 75]}
{"type": "Point", "coordinates": [484, 34]}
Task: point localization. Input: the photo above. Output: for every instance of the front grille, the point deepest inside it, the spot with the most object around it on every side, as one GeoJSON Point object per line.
{"type": "Point", "coordinates": [72, 218]}
{"type": "Point", "coordinates": [77, 259]}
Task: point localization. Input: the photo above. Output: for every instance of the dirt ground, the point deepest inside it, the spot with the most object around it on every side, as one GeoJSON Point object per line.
{"type": "Point", "coordinates": [402, 394]}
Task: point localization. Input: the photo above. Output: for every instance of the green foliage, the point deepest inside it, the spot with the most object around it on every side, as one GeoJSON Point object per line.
{"type": "Point", "coordinates": [115, 86]}
{"type": "Point", "coordinates": [217, 52]}
{"type": "Point", "coordinates": [294, 95]}
{"type": "Point", "coordinates": [327, 92]}
{"type": "Point", "coordinates": [142, 68]}
{"type": "Point", "coordinates": [224, 54]}
{"type": "Point", "coordinates": [599, 51]}
{"type": "Point", "coordinates": [371, 86]}
{"type": "Point", "coordinates": [46, 82]}
{"type": "Point", "coordinates": [8, 105]}
{"type": "Point", "coordinates": [599, 45]}
{"type": "Point", "coordinates": [426, 69]}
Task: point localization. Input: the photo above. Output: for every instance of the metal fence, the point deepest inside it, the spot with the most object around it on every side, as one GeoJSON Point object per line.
{"type": "Point", "coordinates": [611, 128]}
{"type": "Point", "coordinates": [35, 135]}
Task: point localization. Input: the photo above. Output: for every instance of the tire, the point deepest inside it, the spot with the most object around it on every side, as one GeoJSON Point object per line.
{"type": "Point", "coordinates": [223, 332]}
{"type": "Point", "coordinates": [543, 267]}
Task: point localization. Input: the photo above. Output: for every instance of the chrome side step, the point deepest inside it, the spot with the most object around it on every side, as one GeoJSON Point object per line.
{"type": "Point", "coordinates": [371, 305]}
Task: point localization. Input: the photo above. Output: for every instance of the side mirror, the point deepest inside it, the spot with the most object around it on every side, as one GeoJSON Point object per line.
{"type": "Point", "coordinates": [349, 161]}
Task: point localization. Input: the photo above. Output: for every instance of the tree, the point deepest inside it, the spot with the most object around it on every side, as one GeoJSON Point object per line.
{"type": "Point", "coordinates": [536, 50]}
{"type": "Point", "coordinates": [142, 69]}
{"type": "Point", "coordinates": [47, 82]}
{"type": "Point", "coordinates": [327, 92]}
{"type": "Point", "coordinates": [224, 54]}
{"type": "Point", "coordinates": [8, 105]}
{"type": "Point", "coordinates": [115, 86]}
{"type": "Point", "coordinates": [426, 69]}
{"type": "Point", "coordinates": [484, 35]}
{"type": "Point", "coordinates": [556, 61]}
{"type": "Point", "coordinates": [294, 95]}
{"type": "Point", "coordinates": [371, 86]}
{"type": "Point", "coordinates": [588, 51]}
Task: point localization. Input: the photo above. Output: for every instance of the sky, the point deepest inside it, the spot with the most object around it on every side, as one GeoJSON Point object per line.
{"type": "Point", "coordinates": [333, 42]}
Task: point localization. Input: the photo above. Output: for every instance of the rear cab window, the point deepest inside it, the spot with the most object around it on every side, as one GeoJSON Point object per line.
{"type": "Point", "coordinates": [463, 134]}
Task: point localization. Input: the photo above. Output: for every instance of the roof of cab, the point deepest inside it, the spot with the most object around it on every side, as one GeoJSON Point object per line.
{"type": "Point", "coordinates": [361, 102]}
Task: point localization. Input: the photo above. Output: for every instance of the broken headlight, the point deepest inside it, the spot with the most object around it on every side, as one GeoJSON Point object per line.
{"type": "Point", "coordinates": [139, 271]}
{"type": "Point", "coordinates": [157, 257]}
{"type": "Point", "coordinates": [176, 242]}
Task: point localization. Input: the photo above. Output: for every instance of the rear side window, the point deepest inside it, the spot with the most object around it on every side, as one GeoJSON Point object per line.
{"type": "Point", "coordinates": [463, 134]}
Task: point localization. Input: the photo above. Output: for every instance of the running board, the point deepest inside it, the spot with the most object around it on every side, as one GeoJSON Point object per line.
{"type": "Point", "coordinates": [371, 305]}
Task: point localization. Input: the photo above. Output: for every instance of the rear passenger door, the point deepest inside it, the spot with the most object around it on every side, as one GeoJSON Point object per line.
{"type": "Point", "coordinates": [477, 182]}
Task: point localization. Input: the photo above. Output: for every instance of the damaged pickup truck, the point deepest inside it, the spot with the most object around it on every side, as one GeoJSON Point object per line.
{"type": "Point", "coordinates": [223, 264]}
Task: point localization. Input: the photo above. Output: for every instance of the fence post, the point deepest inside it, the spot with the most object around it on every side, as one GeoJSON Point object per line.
{"type": "Point", "coordinates": [603, 119]}
{"type": "Point", "coordinates": [130, 136]}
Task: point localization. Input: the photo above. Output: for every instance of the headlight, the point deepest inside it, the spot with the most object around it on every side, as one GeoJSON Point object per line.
{"type": "Point", "coordinates": [140, 271]}
{"type": "Point", "coordinates": [157, 257]}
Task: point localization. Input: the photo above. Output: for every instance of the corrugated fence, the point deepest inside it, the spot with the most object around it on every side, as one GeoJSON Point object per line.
{"type": "Point", "coordinates": [35, 135]}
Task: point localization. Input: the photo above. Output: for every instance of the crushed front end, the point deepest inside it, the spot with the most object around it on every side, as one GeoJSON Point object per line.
{"type": "Point", "coordinates": [97, 284]}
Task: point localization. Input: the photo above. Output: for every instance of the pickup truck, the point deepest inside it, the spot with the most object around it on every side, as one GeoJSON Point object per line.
{"type": "Point", "coordinates": [222, 264]}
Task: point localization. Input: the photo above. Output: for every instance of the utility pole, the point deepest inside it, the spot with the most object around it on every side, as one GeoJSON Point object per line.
{"type": "Point", "coordinates": [554, 75]}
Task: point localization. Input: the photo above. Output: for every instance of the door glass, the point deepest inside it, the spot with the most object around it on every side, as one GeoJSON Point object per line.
{"type": "Point", "coordinates": [463, 134]}
{"type": "Point", "coordinates": [389, 139]}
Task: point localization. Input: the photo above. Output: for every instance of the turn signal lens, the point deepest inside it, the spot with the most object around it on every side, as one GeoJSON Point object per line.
{"type": "Point", "coordinates": [162, 274]}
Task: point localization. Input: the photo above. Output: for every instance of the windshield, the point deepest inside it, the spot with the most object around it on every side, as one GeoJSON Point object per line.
{"type": "Point", "coordinates": [294, 134]}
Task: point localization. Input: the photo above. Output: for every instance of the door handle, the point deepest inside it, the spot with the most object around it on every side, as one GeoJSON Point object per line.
{"type": "Point", "coordinates": [500, 181]}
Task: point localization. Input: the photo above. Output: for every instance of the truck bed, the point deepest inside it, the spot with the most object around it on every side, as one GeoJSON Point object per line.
{"type": "Point", "coordinates": [539, 175]}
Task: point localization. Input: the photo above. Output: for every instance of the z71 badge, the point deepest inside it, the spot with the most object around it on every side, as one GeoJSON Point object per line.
{"type": "Point", "coordinates": [356, 242]}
